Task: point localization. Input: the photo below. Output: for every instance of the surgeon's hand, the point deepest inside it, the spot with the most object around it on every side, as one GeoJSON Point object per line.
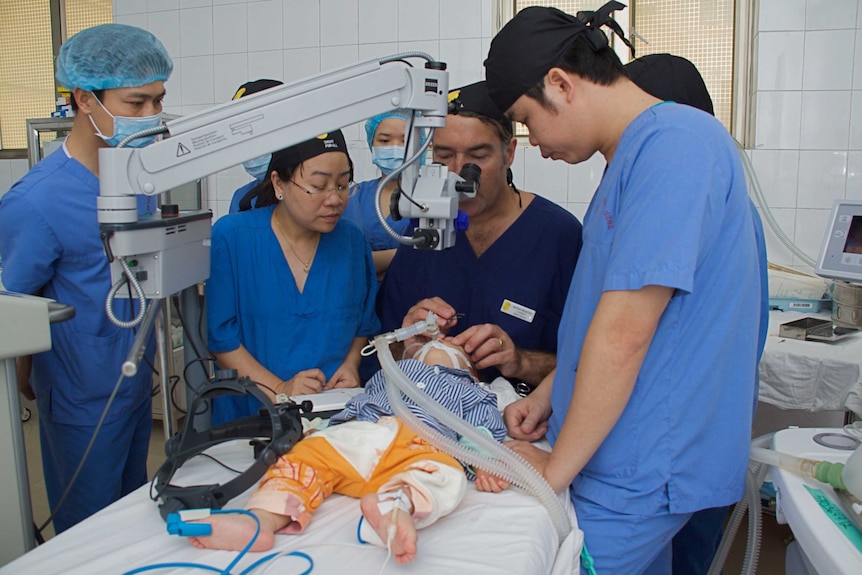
{"type": "Point", "coordinates": [304, 382]}
{"type": "Point", "coordinates": [445, 313]}
{"type": "Point", "coordinates": [527, 418]}
{"type": "Point", "coordinates": [488, 345]}
{"type": "Point", "coordinates": [344, 376]}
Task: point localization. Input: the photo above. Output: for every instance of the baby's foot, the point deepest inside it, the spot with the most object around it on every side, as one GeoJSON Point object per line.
{"type": "Point", "coordinates": [404, 542]}
{"type": "Point", "coordinates": [232, 533]}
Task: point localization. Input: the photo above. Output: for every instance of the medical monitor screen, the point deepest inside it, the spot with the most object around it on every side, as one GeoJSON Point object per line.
{"type": "Point", "coordinates": [841, 251]}
{"type": "Point", "coordinates": [854, 236]}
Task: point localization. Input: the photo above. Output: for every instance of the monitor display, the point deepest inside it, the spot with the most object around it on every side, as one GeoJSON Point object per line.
{"type": "Point", "coordinates": [853, 245]}
{"type": "Point", "coordinates": [841, 250]}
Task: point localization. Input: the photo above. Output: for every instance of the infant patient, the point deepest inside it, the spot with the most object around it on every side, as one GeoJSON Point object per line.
{"type": "Point", "coordinates": [403, 483]}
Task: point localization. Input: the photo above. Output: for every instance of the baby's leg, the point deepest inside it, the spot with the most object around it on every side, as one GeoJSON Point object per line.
{"type": "Point", "coordinates": [233, 531]}
{"type": "Point", "coordinates": [403, 542]}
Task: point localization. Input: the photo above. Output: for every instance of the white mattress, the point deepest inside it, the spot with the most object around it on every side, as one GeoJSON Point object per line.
{"type": "Point", "coordinates": [489, 533]}
{"type": "Point", "coordinates": [810, 375]}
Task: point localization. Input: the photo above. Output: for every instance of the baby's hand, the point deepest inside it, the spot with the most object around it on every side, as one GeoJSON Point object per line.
{"type": "Point", "coordinates": [487, 482]}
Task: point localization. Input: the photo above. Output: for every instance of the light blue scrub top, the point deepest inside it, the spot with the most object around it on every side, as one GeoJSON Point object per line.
{"type": "Point", "coordinates": [49, 236]}
{"type": "Point", "coordinates": [362, 211]}
{"type": "Point", "coordinates": [673, 210]}
{"type": "Point", "coordinates": [252, 299]}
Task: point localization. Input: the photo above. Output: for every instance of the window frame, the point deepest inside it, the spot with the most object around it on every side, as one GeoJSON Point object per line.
{"type": "Point", "coordinates": [744, 71]}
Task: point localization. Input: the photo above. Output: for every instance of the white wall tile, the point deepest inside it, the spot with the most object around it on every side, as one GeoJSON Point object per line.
{"type": "Point", "coordinates": [158, 5]}
{"type": "Point", "coordinates": [781, 15]}
{"type": "Point", "coordinates": [778, 120]}
{"type": "Point", "coordinates": [778, 58]}
{"type": "Point", "coordinates": [584, 179]}
{"type": "Point", "coordinates": [300, 63]}
{"type": "Point", "coordinates": [225, 2]}
{"type": "Point", "coordinates": [487, 19]}
{"type": "Point", "coordinates": [196, 32]}
{"type": "Point", "coordinates": [777, 252]}
{"type": "Point", "coordinates": [265, 26]}
{"type": "Point", "coordinates": [332, 57]}
{"type": "Point", "coordinates": [190, 109]}
{"type": "Point", "coordinates": [822, 178]}
{"type": "Point", "coordinates": [858, 17]}
{"type": "Point", "coordinates": [18, 168]}
{"type": "Point", "coordinates": [5, 176]}
{"type": "Point", "coordinates": [369, 51]}
{"type": "Point", "coordinates": [777, 172]}
{"type": "Point", "coordinates": [463, 59]}
{"type": "Point", "coordinates": [174, 88]}
{"type": "Point", "coordinates": [810, 227]}
{"type": "Point", "coordinates": [830, 14]}
{"type": "Point", "coordinates": [825, 120]}
{"type": "Point", "coordinates": [548, 178]}
{"type": "Point", "coordinates": [302, 24]}
{"type": "Point", "coordinates": [197, 80]}
{"type": "Point", "coordinates": [230, 29]}
{"type": "Point", "coordinates": [857, 60]}
{"type": "Point", "coordinates": [229, 181]}
{"type": "Point", "coordinates": [339, 23]}
{"type": "Point", "coordinates": [166, 27]}
{"type": "Point", "coordinates": [460, 19]}
{"type": "Point", "coordinates": [266, 64]}
{"type": "Point", "coordinates": [230, 72]}
{"type": "Point", "coordinates": [854, 176]}
{"type": "Point", "coordinates": [856, 121]}
{"type": "Point", "coordinates": [835, 47]}
{"type": "Point", "coordinates": [126, 7]}
{"type": "Point", "coordinates": [378, 21]}
{"type": "Point", "coordinates": [578, 209]}
{"type": "Point", "coordinates": [418, 20]}
{"type": "Point", "coordinates": [518, 167]}
{"type": "Point", "coordinates": [139, 20]}
{"type": "Point", "coordinates": [431, 47]}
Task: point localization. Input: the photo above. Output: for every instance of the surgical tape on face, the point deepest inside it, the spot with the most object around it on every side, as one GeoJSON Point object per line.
{"type": "Point", "coordinates": [455, 356]}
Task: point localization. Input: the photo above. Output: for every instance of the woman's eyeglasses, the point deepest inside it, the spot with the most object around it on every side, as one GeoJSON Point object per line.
{"type": "Point", "coordinates": [343, 191]}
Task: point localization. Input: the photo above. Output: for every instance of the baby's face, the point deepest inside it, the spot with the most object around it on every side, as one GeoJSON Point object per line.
{"type": "Point", "coordinates": [442, 352]}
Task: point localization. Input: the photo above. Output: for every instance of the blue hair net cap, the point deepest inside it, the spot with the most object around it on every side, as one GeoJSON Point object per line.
{"type": "Point", "coordinates": [112, 56]}
{"type": "Point", "coordinates": [372, 123]}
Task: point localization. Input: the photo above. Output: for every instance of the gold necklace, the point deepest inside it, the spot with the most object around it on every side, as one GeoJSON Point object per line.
{"type": "Point", "coordinates": [305, 265]}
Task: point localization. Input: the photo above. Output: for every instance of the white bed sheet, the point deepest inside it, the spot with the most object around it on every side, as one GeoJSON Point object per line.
{"type": "Point", "coordinates": [489, 533]}
{"type": "Point", "coordinates": [810, 375]}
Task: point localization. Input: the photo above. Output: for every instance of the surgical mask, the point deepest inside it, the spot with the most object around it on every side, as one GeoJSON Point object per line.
{"type": "Point", "coordinates": [457, 358]}
{"type": "Point", "coordinates": [256, 167]}
{"type": "Point", "coordinates": [387, 158]}
{"type": "Point", "coordinates": [125, 126]}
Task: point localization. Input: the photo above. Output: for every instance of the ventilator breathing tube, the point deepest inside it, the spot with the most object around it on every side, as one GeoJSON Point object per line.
{"type": "Point", "coordinates": [500, 460]}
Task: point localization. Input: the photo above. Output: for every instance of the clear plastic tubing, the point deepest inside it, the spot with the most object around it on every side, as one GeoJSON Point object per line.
{"type": "Point", "coordinates": [500, 460]}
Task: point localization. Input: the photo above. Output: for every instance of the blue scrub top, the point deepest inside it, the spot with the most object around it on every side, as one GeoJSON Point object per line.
{"type": "Point", "coordinates": [240, 194]}
{"type": "Point", "coordinates": [49, 237]}
{"type": "Point", "coordinates": [673, 210]}
{"type": "Point", "coordinates": [519, 283]}
{"type": "Point", "coordinates": [362, 211]}
{"type": "Point", "coordinates": [252, 300]}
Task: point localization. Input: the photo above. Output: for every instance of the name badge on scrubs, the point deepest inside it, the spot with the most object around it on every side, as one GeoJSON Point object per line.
{"type": "Point", "coordinates": [517, 310]}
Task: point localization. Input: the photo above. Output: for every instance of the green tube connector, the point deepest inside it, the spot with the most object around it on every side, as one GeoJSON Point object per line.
{"type": "Point", "coordinates": [830, 473]}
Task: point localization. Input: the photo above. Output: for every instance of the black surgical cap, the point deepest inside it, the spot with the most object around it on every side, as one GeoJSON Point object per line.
{"type": "Point", "coordinates": [535, 41]}
{"type": "Point", "coordinates": [298, 153]}
{"type": "Point", "coordinates": [474, 98]}
{"type": "Point", "coordinates": [669, 77]}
